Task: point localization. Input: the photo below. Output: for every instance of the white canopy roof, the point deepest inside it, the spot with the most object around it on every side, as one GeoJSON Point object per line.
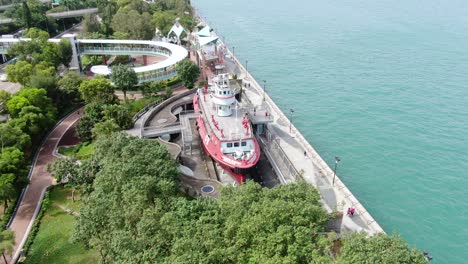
{"type": "Point", "coordinates": [178, 53]}
{"type": "Point", "coordinates": [177, 29]}
{"type": "Point", "coordinates": [205, 32]}
{"type": "Point", "coordinates": [206, 40]}
{"type": "Point", "coordinates": [101, 70]}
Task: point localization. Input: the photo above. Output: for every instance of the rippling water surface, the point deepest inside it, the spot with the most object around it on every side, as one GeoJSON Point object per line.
{"type": "Point", "coordinates": [383, 85]}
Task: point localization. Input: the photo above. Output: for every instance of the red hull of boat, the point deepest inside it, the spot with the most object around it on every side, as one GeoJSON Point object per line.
{"type": "Point", "coordinates": [211, 144]}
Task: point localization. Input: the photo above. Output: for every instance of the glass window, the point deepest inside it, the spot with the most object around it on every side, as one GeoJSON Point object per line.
{"type": "Point", "coordinates": [243, 143]}
{"type": "Point", "coordinates": [229, 145]}
{"type": "Point", "coordinates": [236, 144]}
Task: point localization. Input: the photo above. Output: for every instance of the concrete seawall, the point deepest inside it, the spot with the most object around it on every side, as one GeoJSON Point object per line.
{"type": "Point", "coordinates": [336, 197]}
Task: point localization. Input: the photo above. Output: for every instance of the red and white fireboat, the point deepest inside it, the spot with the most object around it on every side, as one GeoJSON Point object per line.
{"type": "Point", "coordinates": [225, 131]}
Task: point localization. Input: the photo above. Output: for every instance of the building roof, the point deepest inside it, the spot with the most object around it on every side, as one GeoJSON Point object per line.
{"type": "Point", "coordinates": [205, 32]}
{"type": "Point", "coordinates": [207, 40]}
{"type": "Point", "coordinates": [177, 29]}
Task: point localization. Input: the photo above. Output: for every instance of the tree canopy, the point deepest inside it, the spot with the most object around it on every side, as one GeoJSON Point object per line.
{"type": "Point", "coordinates": [65, 52]}
{"type": "Point", "coordinates": [132, 174]}
{"type": "Point", "coordinates": [247, 224]}
{"type": "Point", "coordinates": [38, 49]}
{"type": "Point", "coordinates": [32, 97]}
{"type": "Point", "coordinates": [7, 241]}
{"type": "Point", "coordinates": [380, 248]}
{"type": "Point", "coordinates": [97, 90]}
{"type": "Point", "coordinates": [124, 77]}
{"type": "Point", "coordinates": [11, 136]}
{"type": "Point", "coordinates": [133, 24]}
{"type": "Point", "coordinates": [69, 85]}
{"type": "Point", "coordinates": [188, 72]}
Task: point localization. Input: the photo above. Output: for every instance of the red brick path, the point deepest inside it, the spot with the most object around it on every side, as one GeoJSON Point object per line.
{"type": "Point", "coordinates": [40, 180]}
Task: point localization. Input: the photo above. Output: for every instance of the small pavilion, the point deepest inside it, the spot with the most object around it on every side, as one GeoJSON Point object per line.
{"type": "Point", "coordinates": [176, 32]}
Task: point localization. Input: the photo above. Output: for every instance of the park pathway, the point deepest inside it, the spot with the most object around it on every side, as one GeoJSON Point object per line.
{"type": "Point", "coordinates": [40, 179]}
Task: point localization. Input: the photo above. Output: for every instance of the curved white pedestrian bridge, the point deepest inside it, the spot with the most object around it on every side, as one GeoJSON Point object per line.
{"type": "Point", "coordinates": [153, 72]}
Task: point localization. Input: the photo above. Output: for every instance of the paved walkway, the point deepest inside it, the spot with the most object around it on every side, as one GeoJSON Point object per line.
{"type": "Point", "coordinates": [335, 197]}
{"type": "Point", "coordinates": [40, 179]}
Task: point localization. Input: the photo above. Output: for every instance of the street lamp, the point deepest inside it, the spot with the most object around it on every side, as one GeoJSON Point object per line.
{"type": "Point", "coordinates": [337, 159]}
{"type": "Point", "coordinates": [264, 85]}
{"type": "Point", "coordinates": [291, 112]}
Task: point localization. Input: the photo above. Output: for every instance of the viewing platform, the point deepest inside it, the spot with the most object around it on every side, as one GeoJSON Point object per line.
{"type": "Point", "coordinates": [161, 70]}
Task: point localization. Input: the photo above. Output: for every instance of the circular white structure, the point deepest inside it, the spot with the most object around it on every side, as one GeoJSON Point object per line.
{"type": "Point", "coordinates": [173, 53]}
{"type": "Point", "coordinates": [101, 70]}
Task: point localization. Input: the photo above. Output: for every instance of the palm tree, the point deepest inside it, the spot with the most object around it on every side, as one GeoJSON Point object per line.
{"type": "Point", "coordinates": [7, 241]}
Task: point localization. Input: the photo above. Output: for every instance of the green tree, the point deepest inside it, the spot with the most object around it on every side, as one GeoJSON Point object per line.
{"type": "Point", "coordinates": [153, 88]}
{"type": "Point", "coordinates": [91, 24]}
{"type": "Point", "coordinates": [30, 13]}
{"type": "Point", "coordinates": [66, 170]}
{"type": "Point", "coordinates": [11, 136]}
{"type": "Point", "coordinates": [188, 72]}
{"type": "Point", "coordinates": [133, 175]}
{"type": "Point", "coordinates": [108, 11]}
{"type": "Point", "coordinates": [97, 90]}
{"type": "Point", "coordinates": [27, 14]}
{"type": "Point", "coordinates": [49, 83]}
{"type": "Point", "coordinates": [168, 92]}
{"type": "Point", "coordinates": [7, 241]}
{"type": "Point", "coordinates": [4, 97]}
{"type": "Point", "coordinates": [104, 129]}
{"type": "Point", "coordinates": [33, 121]}
{"type": "Point", "coordinates": [32, 97]}
{"type": "Point", "coordinates": [380, 248]}
{"type": "Point", "coordinates": [19, 72]}
{"type": "Point", "coordinates": [65, 52]}
{"type": "Point", "coordinates": [119, 114]}
{"type": "Point", "coordinates": [11, 161]}
{"type": "Point", "coordinates": [69, 86]}
{"type": "Point", "coordinates": [135, 25]}
{"type": "Point", "coordinates": [84, 128]}
{"type": "Point", "coordinates": [7, 189]}
{"type": "Point", "coordinates": [95, 111]}
{"type": "Point", "coordinates": [124, 77]}
{"type": "Point", "coordinates": [139, 6]}
{"type": "Point", "coordinates": [37, 50]}
{"type": "Point", "coordinates": [164, 20]}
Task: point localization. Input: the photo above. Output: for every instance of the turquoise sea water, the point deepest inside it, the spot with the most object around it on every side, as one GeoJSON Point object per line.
{"type": "Point", "coordinates": [382, 84]}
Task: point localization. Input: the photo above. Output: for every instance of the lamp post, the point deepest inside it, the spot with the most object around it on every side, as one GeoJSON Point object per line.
{"type": "Point", "coordinates": [291, 112]}
{"type": "Point", "coordinates": [264, 85]}
{"type": "Point", "coordinates": [337, 160]}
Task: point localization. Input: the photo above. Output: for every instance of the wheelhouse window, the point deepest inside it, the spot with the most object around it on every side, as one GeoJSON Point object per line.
{"type": "Point", "coordinates": [229, 145]}
{"type": "Point", "coordinates": [236, 144]}
{"type": "Point", "coordinates": [243, 143]}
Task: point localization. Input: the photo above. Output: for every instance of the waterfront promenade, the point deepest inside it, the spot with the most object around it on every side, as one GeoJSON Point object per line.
{"type": "Point", "coordinates": [336, 197]}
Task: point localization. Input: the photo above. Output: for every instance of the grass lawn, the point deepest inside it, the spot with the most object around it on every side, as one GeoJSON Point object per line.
{"type": "Point", "coordinates": [52, 244]}
{"type": "Point", "coordinates": [81, 151]}
{"type": "Point", "coordinates": [134, 106]}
